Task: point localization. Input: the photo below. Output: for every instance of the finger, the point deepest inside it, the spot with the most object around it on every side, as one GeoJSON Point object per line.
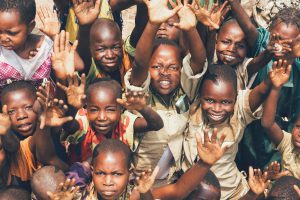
{"type": "Point", "coordinates": [297, 189]}
{"type": "Point", "coordinates": [74, 46]}
{"type": "Point", "coordinates": [288, 70]}
{"type": "Point", "coordinates": [213, 137]}
{"type": "Point", "coordinates": [50, 195]}
{"type": "Point", "coordinates": [4, 110]}
{"type": "Point", "coordinates": [66, 184]}
{"type": "Point", "coordinates": [75, 79]}
{"type": "Point", "coordinates": [62, 40]}
{"type": "Point", "coordinates": [251, 172]}
{"type": "Point", "coordinates": [97, 4]}
{"type": "Point", "coordinates": [221, 140]}
{"type": "Point", "coordinates": [172, 3]}
{"type": "Point", "coordinates": [83, 80]}
{"type": "Point", "coordinates": [206, 138]}
{"type": "Point", "coordinates": [121, 102]}
{"type": "Point", "coordinates": [56, 44]}
{"type": "Point", "coordinates": [67, 40]}
{"type": "Point", "coordinates": [175, 10]}
{"type": "Point", "coordinates": [62, 87]}
{"type": "Point", "coordinates": [154, 173]}
{"type": "Point", "coordinates": [146, 2]}
{"type": "Point", "coordinates": [223, 5]}
{"type": "Point", "coordinates": [199, 141]}
{"type": "Point", "coordinates": [274, 66]}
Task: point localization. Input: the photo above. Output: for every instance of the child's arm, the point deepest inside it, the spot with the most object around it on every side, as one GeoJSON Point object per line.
{"type": "Point", "coordinates": [273, 171]}
{"type": "Point", "coordinates": [158, 13]}
{"type": "Point", "coordinates": [258, 182]}
{"type": "Point", "coordinates": [76, 96]}
{"type": "Point", "coordinates": [50, 22]}
{"type": "Point", "coordinates": [188, 25]}
{"type": "Point", "coordinates": [86, 12]}
{"type": "Point", "coordinates": [245, 22]}
{"type": "Point", "coordinates": [209, 152]}
{"type": "Point", "coordinates": [279, 76]}
{"type": "Point", "coordinates": [150, 121]}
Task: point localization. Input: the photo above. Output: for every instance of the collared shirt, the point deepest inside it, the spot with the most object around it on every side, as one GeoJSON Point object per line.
{"type": "Point", "coordinates": [174, 115]}
{"type": "Point", "coordinates": [290, 155]}
{"type": "Point", "coordinates": [225, 168]}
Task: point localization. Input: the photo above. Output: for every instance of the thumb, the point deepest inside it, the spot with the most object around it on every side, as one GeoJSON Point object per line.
{"type": "Point", "coordinates": [154, 173]}
{"type": "Point", "coordinates": [65, 119]}
{"type": "Point", "coordinates": [50, 195]}
{"type": "Point", "coordinates": [122, 102]}
{"type": "Point", "coordinates": [4, 110]}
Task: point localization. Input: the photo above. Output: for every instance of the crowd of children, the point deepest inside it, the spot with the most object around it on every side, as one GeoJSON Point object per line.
{"type": "Point", "coordinates": [185, 108]}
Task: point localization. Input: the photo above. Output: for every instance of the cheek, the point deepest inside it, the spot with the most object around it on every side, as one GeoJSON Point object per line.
{"type": "Point", "coordinates": [242, 53]}
{"type": "Point", "coordinates": [175, 76]}
{"type": "Point", "coordinates": [91, 116]}
{"type": "Point", "coordinates": [229, 109]}
{"type": "Point", "coordinates": [114, 117]}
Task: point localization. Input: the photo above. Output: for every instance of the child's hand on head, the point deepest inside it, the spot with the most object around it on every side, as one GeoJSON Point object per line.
{"type": "Point", "coordinates": [55, 115]}
{"type": "Point", "coordinates": [278, 47]}
{"type": "Point", "coordinates": [134, 100]}
{"type": "Point", "coordinates": [146, 180]}
{"type": "Point", "coordinates": [50, 21]}
{"type": "Point", "coordinates": [273, 171]}
{"type": "Point", "coordinates": [218, 13]}
{"type": "Point", "coordinates": [5, 121]}
{"type": "Point", "coordinates": [296, 46]}
{"type": "Point", "coordinates": [187, 18]}
{"type": "Point", "coordinates": [203, 14]}
{"type": "Point", "coordinates": [74, 90]}
{"type": "Point", "coordinates": [65, 191]}
{"type": "Point", "coordinates": [211, 150]}
{"type": "Point", "coordinates": [258, 181]}
{"type": "Point", "coordinates": [159, 12]}
{"type": "Point", "coordinates": [63, 56]}
{"type": "Point", "coordinates": [86, 11]}
{"type": "Point", "coordinates": [280, 73]}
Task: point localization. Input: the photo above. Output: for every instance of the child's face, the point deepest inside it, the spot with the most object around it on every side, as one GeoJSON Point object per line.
{"type": "Point", "coordinates": [168, 30]}
{"type": "Point", "coordinates": [13, 32]}
{"type": "Point", "coordinates": [286, 32]}
{"type": "Point", "coordinates": [231, 46]}
{"type": "Point", "coordinates": [103, 112]}
{"type": "Point", "coordinates": [20, 109]}
{"type": "Point", "coordinates": [296, 134]}
{"type": "Point", "coordinates": [165, 69]}
{"type": "Point", "coordinates": [107, 50]}
{"type": "Point", "coordinates": [217, 101]}
{"type": "Point", "coordinates": [110, 174]}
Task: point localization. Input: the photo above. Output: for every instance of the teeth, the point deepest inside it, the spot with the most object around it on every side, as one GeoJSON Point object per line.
{"type": "Point", "coordinates": [229, 58]}
{"type": "Point", "coordinates": [164, 83]}
{"type": "Point", "coordinates": [216, 117]}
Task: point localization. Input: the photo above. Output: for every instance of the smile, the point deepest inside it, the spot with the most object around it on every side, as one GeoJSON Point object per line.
{"type": "Point", "coordinates": [229, 58]}
{"type": "Point", "coordinates": [216, 117]}
{"type": "Point", "coordinates": [25, 127]}
{"type": "Point", "coordinates": [165, 84]}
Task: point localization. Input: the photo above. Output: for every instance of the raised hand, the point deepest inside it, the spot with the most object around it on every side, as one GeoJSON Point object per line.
{"type": "Point", "coordinates": [66, 191]}
{"type": "Point", "coordinates": [50, 21]}
{"type": "Point", "coordinates": [273, 171]}
{"type": "Point", "coordinates": [75, 91]}
{"type": "Point", "coordinates": [86, 11]}
{"type": "Point", "coordinates": [210, 151]}
{"type": "Point", "coordinates": [5, 121]}
{"type": "Point", "coordinates": [55, 115]}
{"type": "Point", "coordinates": [145, 180]}
{"type": "Point", "coordinates": [296, 46]}
{"type": "Point", "coordinates": [280, 73]}
{"type": "Point", "coordinates": [258, 181]}
{"type": "Point", "coordinates": [63, 56]}
{"type": "Point", "coordinates": [278, 47]}
{"type": "Point", "coordinates": [203, 14]}
{"type": "Point", "coordinates": [134, 100]}
{"type": "Point", "coordinates": [187, 18]}
{"type": "Point", "coordinates": [218, 13]}
{"type": "Point", "coordinates": [159, 12]}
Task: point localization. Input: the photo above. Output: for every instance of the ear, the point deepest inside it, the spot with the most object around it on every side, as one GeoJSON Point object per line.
{"type": "Point", "coordinates": [31, 26]}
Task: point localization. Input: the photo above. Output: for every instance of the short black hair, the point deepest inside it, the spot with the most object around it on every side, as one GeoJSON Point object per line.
{"type": "Point", "coordinates": [219, 72]}
{"type": "Point", "coordinates": [113, 146]}
{"type": "Point", "coordinates": [288, 16]}
{"type": "Point", "coordinates": [18, 85]}
{"type": "Point", "coordinates": [283, 189]}
{"type": "Point", "coordinates": [26, 8]}
{"type": "Point", "coordinates": [14, 193]}
{"type": "Point", "coordinates": [164, 41]}
{"type": "Point", "coordinates": [109, 83]}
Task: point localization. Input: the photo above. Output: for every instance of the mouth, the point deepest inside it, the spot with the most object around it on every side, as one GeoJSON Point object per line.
{"type": "Point", "coordinates": [108, 192]}
{"type": "Point", "coordinates": [25, 127]}
{"type": "Point", "coordinates": [102, 127]}
{"type": "Point", "coordinates": [228, 58]}
{"type": "Point", "coordinates": [161, 35]}
{"type": "Point", "coordinates": [8, 47]}
{"type": "Point", "coordinates": [216, 117]}
{"type": "Point", "coordinates": [165, 84]}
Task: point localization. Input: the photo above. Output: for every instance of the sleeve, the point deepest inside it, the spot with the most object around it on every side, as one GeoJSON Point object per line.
{"type": "Point", "coordinates": [261, 42]}
{"type": "Point", "coordinates": [189, 81]}
{"type": "Point", "coordinates": [128, 120]}
{"type": "Point", "coordinates": [83, 127]}
{"type": "Point", "coordinates": [245, 115]}
{"type": "Point", "coordinates": [143, 88]}
{"type": "Point", "coordinates": [285, 143]}
{"type": "Point", "coordinates": [128, 47]}
{"type": "Point", "coordinates": [242, 74]}
{"type": "Point", "coordinates": [24, 164]}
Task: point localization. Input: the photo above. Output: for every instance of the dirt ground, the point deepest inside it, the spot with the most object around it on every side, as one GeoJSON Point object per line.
{"type": "Point", "coordinates": [128, 17]}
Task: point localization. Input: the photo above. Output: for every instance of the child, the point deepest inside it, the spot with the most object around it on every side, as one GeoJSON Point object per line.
{"type": "Point", "coordinates": [221, 106]}
{"type": "Point", "coordinates": [283, 189]}
{"type": "Point", "coordinates": [17, 41]}
{"type": "Point", "coordinates": [172, 84]}
{"type": "Point", "coordinates": [287, 144]}
{"type": "Point", "coordinates": [103, 117]}
{"type": "Point", "coordinates": [14, 193]}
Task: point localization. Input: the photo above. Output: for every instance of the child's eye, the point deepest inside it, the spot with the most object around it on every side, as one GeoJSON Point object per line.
{"type": "Point", "coordinates": [12, 33]}
{"type": "Point", "coordinates": [93, 110]}
{"type": "Point", "coordinates": [99, 173]}
{"type": "Point", "coordinates": [240, 46]}
{"type": "Point", "coordinates": [101, 49]}
{"type": "Point", "coordinates": [111, 109]}
{"type": "Point", "coordinates": [28, 107]}
{"type": "Point", "coordinates": [173, 68]}
{"type": "Point", "coordinates": [117, 47]}
{"type": "Point", "coordinates": [225, 41]}
{"type": "Point", "coordinates": [117, 174]}
{"type": "Point", "coordinates": [225, 102]}
{"type": "Point", "coordinates": [209, 100]}
{"type": "Point", "coordinates": [156, 67]}
{"type": "Point", "coordinates": [11, 112]}
{"type": "Point", "coordinates": [170, 24]}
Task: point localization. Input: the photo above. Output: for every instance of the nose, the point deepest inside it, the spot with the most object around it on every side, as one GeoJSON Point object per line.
{"type": "Point", "coordinates": [108, 180]}
{"type": "Point", "coordinates": [231, 47]}
{"type": "Point", "coordinates": [109, 54]}
{"type": "Point", "coordinates": [21, 114]}
{"type": "Point", "coordinates": [164, 71]}
{"type": "Point", "coordinates": [217, 107]}
{"type": "Point", "coordinates": [4, 38]}
{"type": "Point", "coordinates": [162, 26]}
{"type": "Point", "coordinates": [102, 116]}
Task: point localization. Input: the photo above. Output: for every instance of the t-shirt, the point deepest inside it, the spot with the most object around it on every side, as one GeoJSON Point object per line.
{"type": "Point", "coordinates": [225, 168]}
{"type": "Point", "coordinates": [290, 155]}
{"type": "Point", "coordinates": [85, 139]}
{"type": "Point", "coordinates": [15, 68]}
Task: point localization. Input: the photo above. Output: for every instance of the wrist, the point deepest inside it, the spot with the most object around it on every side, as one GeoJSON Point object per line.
{"type": "Point", "coordinates": [201, 163]}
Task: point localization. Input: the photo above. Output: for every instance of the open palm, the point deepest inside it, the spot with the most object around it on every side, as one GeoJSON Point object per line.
{"type": "Point", "coordinates": [187, 18]}
{"type": "Point", "coordinates": [5, 122]}
{"type": "Point", "coordinates": [86, 11]}
{"type": "Point", "coordinates": [280, 73]}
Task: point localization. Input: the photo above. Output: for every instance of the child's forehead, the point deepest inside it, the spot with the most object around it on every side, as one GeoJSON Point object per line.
{"type": "Point", "coordinates": [24, 94]}
{"type": "Point", "coordinates": [105, 157]}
